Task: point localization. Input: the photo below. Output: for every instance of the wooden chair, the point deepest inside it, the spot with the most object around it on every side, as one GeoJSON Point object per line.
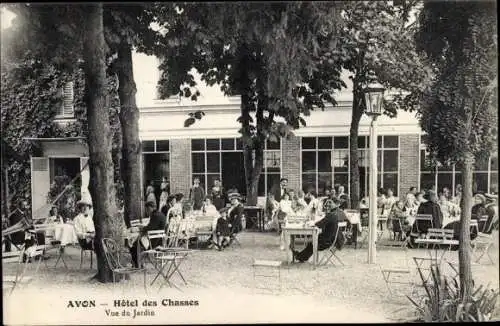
{"type": "Point", "coordinates": [112, 255]}
{"type": "Point", "coordinates": [331, 253]}
{"type": "Point", "coordinates": [483, 223]}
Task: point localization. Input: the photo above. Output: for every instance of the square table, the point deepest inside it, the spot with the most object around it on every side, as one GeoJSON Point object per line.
{"type": "Point", "coordinates": [259, 216]}
{"type": "Point", "coordinates": [291, 231]}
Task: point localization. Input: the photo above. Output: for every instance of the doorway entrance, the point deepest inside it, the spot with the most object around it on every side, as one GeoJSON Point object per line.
{"type": "Point", "coordinates": [233, 171]}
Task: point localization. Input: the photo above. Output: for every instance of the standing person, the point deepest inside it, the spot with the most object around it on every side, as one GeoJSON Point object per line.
{"type": "Point", "coordinates": [150, 194]}
{"type": "Point", "coordinates": [421, 197]}
{"type": "Point", "coordinates": [157, 221]}
{"type": "Point", "coordinates": [163, 200]}
{"type": "Point", "coordinates": [413, 191]}
{"type": "Point", "coordinates": [329, 225]}
{"type": "Point", "coordinates": [197, 195]}
{"type": "Point", "coordinates": [164, 185]}
{"type": "Point", "coordinates": [279, 190]}
{"type": "Point", "coordinates": [217, 195]}
{"type": "Point", "coordinates": [84, 225]}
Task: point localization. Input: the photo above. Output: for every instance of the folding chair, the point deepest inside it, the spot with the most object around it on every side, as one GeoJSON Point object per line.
{"type": "Point", "coordinates": [331, 252]}
{"type": "Point", "coordinates": [422, 223]}
{"type": "Point", "coordinates": [397, 272]}
{"type": "Point", "coordinates": [112, 255]}
{"type": "Point", "coordinates": [481, 246]}
{"type": "Point", "coordinates": [483, 223]}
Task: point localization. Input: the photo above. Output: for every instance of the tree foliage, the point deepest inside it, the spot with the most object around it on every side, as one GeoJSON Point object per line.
{"type": "Point", "coordinates": [375, 43]}
{"type": "Point", "coordinates": [263, 52]}
{"type": "Point", "coordinates": [459, 112]}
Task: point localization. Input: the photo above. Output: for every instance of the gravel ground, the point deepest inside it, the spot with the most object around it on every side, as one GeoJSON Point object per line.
{"type": "Point", "coordinates": [354, 292]}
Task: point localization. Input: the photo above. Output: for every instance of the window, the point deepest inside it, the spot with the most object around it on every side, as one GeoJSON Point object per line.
{"type": "Point", "coordinates": [271, 172]}
{"type": "Point", "coordinates": [66, 109]}
{"type": "Point", "coordinates": [326, 163]}
{"type": "Point", "coordinates": [156, 158]}
{"type": "Point", "coordinates": [388, 161]}
{"type": "Point", "coordinates": [484, 176]}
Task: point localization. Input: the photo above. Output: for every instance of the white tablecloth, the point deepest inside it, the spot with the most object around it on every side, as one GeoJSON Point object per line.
{"type": "Point", "coordinates": [65, 233]}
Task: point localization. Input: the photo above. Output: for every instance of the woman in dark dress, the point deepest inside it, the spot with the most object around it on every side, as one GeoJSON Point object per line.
{"type": "Point", "coordinates": [217, 195]}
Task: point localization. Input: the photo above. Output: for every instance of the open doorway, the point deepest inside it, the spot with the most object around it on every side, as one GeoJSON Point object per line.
{"type": "Point", "coordinates": [233, 171]}
{"type": "Point", "coordinates": [64, 167]}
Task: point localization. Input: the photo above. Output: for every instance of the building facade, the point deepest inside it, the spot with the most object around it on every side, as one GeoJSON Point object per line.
{"type": "Point", "coordinates": [316, 157]}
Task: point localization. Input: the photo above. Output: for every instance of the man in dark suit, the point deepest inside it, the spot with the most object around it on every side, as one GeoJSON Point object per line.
{"type": "Point", "coordinates": [430, 207]}
{"type": "Point", "coordinates": [157, 221]}
{"type": "Point", "coordinates": [329, 226]}
{"type": "Point", "coordinates": [280, 189]}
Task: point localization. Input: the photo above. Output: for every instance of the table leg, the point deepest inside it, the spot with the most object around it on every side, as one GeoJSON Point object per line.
{"type": "Point", "coordinates": [289, 254]}
{"type": "Point", "coordinates": [315, 248]}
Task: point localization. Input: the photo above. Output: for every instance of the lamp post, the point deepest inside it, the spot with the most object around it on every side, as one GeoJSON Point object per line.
{"type": "Point", "coordinates": [374, 94]}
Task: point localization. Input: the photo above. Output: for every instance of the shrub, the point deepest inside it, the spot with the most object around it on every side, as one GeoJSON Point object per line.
{"type": "Point", "coordinates": [442, 303]}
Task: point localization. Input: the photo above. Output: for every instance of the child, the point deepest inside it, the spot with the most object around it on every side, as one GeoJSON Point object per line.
{"type": "Point", "coordinates": [222, 231]}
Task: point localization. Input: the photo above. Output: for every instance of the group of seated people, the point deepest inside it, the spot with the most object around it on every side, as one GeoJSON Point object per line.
{"type": "Point", "coordinates": [444, 208]}
{"type": "Point", "coordinates": [227, 221]}
{"type": "Point", "coordinates": [282, 202]}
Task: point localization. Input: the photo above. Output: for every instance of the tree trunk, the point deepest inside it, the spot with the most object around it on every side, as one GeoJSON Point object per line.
{"type": "Point", "coordinates": [131, 149]}
{"type": "Point", "coordinates": [99, 137]}
{"type": "Point", "coordinates": [464, 249]}
{"type": "Point", "coordinates": [357, 112]}
{"type": "Point", "coordinates": [253, 184]}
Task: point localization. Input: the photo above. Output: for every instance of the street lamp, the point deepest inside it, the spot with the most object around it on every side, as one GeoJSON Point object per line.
{"type": "Point", "coordinates": [374, 94]}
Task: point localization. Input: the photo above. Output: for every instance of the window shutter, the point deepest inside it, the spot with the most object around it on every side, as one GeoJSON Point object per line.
{"type": "Point", "coordinates": [68, 97]}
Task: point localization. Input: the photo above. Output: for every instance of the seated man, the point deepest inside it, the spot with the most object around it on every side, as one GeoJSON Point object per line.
{"type": "Point", "coordinates": [328, 224]}
{"type": "Point", "coordinates": [157, 221]}
{"type": "Point", "coordinates": [84, 225]}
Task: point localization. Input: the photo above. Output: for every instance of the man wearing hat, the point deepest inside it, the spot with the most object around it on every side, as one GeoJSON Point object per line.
{"type": "Point", "coordinates": [328, 225]}
{"type": "Point", "coordinates": [84, 224]}
{"type": "Point", "coordinates": [280, 189]}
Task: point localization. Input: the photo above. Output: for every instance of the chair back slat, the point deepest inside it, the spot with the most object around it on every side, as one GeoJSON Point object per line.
{"type": "Point", "coordinates": [483, 218]}
{"type": "Point", "coordinates": [423, 217]}
{"type": "Point", "coordinates": [135, 223]}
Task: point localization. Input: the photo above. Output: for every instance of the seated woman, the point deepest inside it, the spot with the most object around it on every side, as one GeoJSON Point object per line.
{"type": "Point", "coordinates": [235, 213]}
{"type": "Point", "coordinates": [54, 216]}
{"type": "Point", "coordinates": [400, 224]}
{"type": "Point", "coordinates": [209, 208]}
{"type": "Point", "coordinates": [171, 209]}
{"type": "Point", "coordinates": [272, 206]}
{"type": "Point", "coordinates": [479, 210]}
{"type": "Point", "coordinates": [300, 204]}
{"type": "Point", "coordinates": [286, 205]}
